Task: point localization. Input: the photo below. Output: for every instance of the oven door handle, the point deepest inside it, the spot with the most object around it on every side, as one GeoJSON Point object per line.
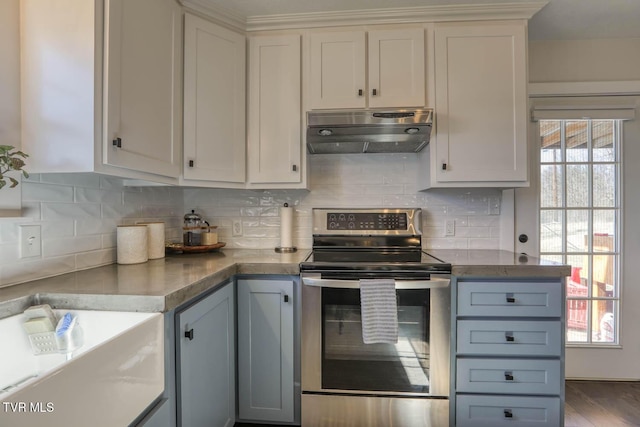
{"type": "Point", "coordinates": [442, 281]}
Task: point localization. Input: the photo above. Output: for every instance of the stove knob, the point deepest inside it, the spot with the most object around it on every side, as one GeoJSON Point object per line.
{"type": "Point", "coordinates": [352, 217]}
{"type": "Point", "coordinates": [332, 225]}
{"type": "Point", "coordinates": [332, 217]}
{"type": "Point", "coordinates": [342, 217]}
{"type": "Point", "coordinates": [351, 226]}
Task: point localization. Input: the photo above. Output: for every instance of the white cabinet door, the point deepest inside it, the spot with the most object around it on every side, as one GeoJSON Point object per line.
{"type": "Point", "coordinates": [393, 77]}
{"type": "Point", "coordinates": [337, 73]}
{"type": "Point", "coordinates": [265, 350]}
{"type": "Point", "coordinates": [274, 134]}
{"type": "Point", "coordinates": [142, 85]}
{"type": "Point", "coordinates": [481, 104]}
{"type": "Point", "coordinates": [206, 361]}
{"type": "Point", "coordinates": [396, 68]}
{"type": "Point", "coordinates": [214, 102]}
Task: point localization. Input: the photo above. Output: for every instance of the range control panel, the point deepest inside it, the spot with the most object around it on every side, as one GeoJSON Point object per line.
{"type": "Point", "coordinates": [366, 221]}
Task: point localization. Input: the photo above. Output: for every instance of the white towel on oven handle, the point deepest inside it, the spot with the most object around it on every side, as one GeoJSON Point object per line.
{"type": "Point", "coordinates": [379, 311]}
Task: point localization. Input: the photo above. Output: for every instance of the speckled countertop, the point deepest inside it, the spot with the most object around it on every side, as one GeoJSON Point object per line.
{"type": "Point", "coordinates": [163, 284]}
{"type": "Point", "coordinates": [495, 263]}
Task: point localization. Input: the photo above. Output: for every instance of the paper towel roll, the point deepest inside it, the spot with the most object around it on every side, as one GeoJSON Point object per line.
{"type": "Point", "coordinates": [286, 227]}
{"type": "Point", "coordinates": [156, 239]}
{"type": "Point", "coordinates": [132, 244]}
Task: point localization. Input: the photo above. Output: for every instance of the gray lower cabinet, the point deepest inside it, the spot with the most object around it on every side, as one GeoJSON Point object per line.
{"type": "Point", "coordinates": [266, 350]}
{"type": "Point", "coordinates": [508, 353]}
{"type": "Point", "coordinates": [205, 361]}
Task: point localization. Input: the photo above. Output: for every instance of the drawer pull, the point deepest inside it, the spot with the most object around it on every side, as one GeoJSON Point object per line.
{"type": "Point", "coordinates": [511, 299]}
{"type": "Point", "coordinates": [508, 376]}
{"type": "Point", "coordinates": [508, 413]}
{"type": "Point", "coordinates": [509, 337]}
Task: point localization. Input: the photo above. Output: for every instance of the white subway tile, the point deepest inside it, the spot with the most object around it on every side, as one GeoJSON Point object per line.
{"type": "Point", "coordinates": [58, 229]}
{"type": "Point", "coordinates": [97, 258]}
{"type": "Point", "coordinates": [64, 246]}
{"type": "Point", "coordinates": [90, 226]}
{"type": "Point", "coordinates": [41, 268]}
{"type": "Point", "coordinates": [94, 195]}
{"type": "Point", "coordinates": [59, 211]}
{"type": "Point", "coordinates": [74, 179]}
{"type": "Point", "coordinates": [484, 243]}
{"type": "Point", "coordinates": [37, 192]}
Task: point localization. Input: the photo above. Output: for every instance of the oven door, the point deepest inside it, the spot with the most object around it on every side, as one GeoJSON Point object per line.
{"type": "Point", "coordinates": [336, 360]}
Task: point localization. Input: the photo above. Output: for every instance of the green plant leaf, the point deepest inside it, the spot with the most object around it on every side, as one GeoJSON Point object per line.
{"type": "Point", "coordinates": [2, 183]}
{"type": "Point", "coordinates": [25, 174]}
{"type": "Point", "coordinates": [14, 182]}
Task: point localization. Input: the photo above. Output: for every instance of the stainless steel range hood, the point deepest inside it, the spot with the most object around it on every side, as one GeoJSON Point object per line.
{"type": "Point", "coordinates": [368, 131]}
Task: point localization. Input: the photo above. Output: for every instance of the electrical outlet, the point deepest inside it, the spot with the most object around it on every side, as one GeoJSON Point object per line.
{"type": "Point", "coordinates": [449, 227]}
{"type": "Point", "coordinates": [30, 241]}
{"type": "Point", "coordinates": [237, 228]}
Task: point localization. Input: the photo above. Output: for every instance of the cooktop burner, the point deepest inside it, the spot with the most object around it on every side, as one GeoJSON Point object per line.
{"type": "Point", "coordinates": [370, 240]}
{"type": "Point", "coordinates": [371, 256]}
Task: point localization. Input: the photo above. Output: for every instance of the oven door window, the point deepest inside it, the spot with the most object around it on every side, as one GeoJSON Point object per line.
{"type": "Point", "coordinates": [350, 364]}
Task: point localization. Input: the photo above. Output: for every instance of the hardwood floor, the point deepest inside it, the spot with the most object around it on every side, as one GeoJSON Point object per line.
{"type": "Point", "coordinates": [591, 404]}
{"type": "Point", "coordinates": [602, 404]}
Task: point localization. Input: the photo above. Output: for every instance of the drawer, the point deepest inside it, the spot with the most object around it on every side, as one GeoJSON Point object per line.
{"type": "Point", "coordinates": [519, 376]}
{"type": "Point", "coordinates": [512, 411]}
{"type": "Point", "coordinates": [509, 337]}
{"type": "Point", "coordinates": [512, 299]}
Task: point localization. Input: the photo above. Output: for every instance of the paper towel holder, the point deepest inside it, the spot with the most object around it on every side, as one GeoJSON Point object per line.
{"type": "Point", "coordinates": [285, 249]}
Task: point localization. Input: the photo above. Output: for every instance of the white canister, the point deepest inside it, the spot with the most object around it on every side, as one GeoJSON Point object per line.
{"type": "Point", "coordinates": [132, 244]}
{"type": "Point", "coordinates": [155, 239]}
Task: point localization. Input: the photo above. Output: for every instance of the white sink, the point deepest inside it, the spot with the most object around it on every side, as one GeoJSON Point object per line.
{"type": "Point", "coordinates": [111, 379]}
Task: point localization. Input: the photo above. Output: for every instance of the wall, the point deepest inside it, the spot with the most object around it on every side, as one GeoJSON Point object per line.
{"type": "Point", "coordinates": [78, 214]}
{"type": "Point", "coordinates": [584, 60]}
{"type": "Point", "coordinates": [9, 73]}
{"type": "Point", "coordinates": [372, 180]}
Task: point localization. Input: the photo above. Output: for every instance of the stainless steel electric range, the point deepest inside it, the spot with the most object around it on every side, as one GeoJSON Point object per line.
{"type": "Point", "coordinates": [346, 382]}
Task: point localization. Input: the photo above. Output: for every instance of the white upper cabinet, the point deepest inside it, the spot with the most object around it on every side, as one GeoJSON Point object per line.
{"type": "Point", "coordinates": [214, 104]}
{"type": "Point", "coordinates": [337, 72]}
{"type": "Point", "coordinates": [341, 77]}
{"type": "Point", "coordinates": [142, 82]}
{"type": "Point", "coordinates": [274, 113]}
{"type": "Point", "coordinates": [396, 68]}
{"type": "Point", "coordinates": [86, 84]}
{"type": "Point", "coordinates": [481, 105]}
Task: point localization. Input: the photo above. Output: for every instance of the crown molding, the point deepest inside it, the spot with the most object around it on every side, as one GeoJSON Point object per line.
{"type": "Point", "coordinates": [438, 13]}
{"type": "Point", "coordinates": [220, 14]}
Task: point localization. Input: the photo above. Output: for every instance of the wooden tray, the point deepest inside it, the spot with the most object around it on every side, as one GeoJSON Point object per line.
{"type": "Point", "coordinates": [182, 249]}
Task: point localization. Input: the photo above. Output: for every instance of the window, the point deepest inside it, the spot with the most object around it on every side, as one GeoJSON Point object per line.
{"type": "Point", "coordinates": [580, 221]}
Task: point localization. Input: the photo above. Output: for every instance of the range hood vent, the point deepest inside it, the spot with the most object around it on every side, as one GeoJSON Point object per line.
{"type": "Point", "coordinates": [368, 131]}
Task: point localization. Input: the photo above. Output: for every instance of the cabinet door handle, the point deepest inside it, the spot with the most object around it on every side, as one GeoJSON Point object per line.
{"type": "Point", "coordinates": [360, 92]}
{"type": "Point", "coordinates": [374, 92]}
{"type": "Point", "coordinates": [509, 336]}
{"type": "Point", "coordinates": [511, 299]}
{"type": "Point", "coordinates": [508, 413]}
{"type": "Point", "coordinates": [444, 166]}
{"type": "Point", "coordinates": [191, 163]}
{"type": "Point", "coordinates": [189, 334]}
{"type": "Point", "coordinates": [286, 298]}
{"type": "Point", "coordinates": [508, 376]}
{"type": "Point", "coordinates": [117, 142]}
{"type": "Point", "coordinates": [294, 168]}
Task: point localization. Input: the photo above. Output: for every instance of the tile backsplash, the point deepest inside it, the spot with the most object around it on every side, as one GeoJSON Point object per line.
{"type": "Point", "coordinates": [354, 180]}
{"type": "Point", "coordinates": [78, 213]}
